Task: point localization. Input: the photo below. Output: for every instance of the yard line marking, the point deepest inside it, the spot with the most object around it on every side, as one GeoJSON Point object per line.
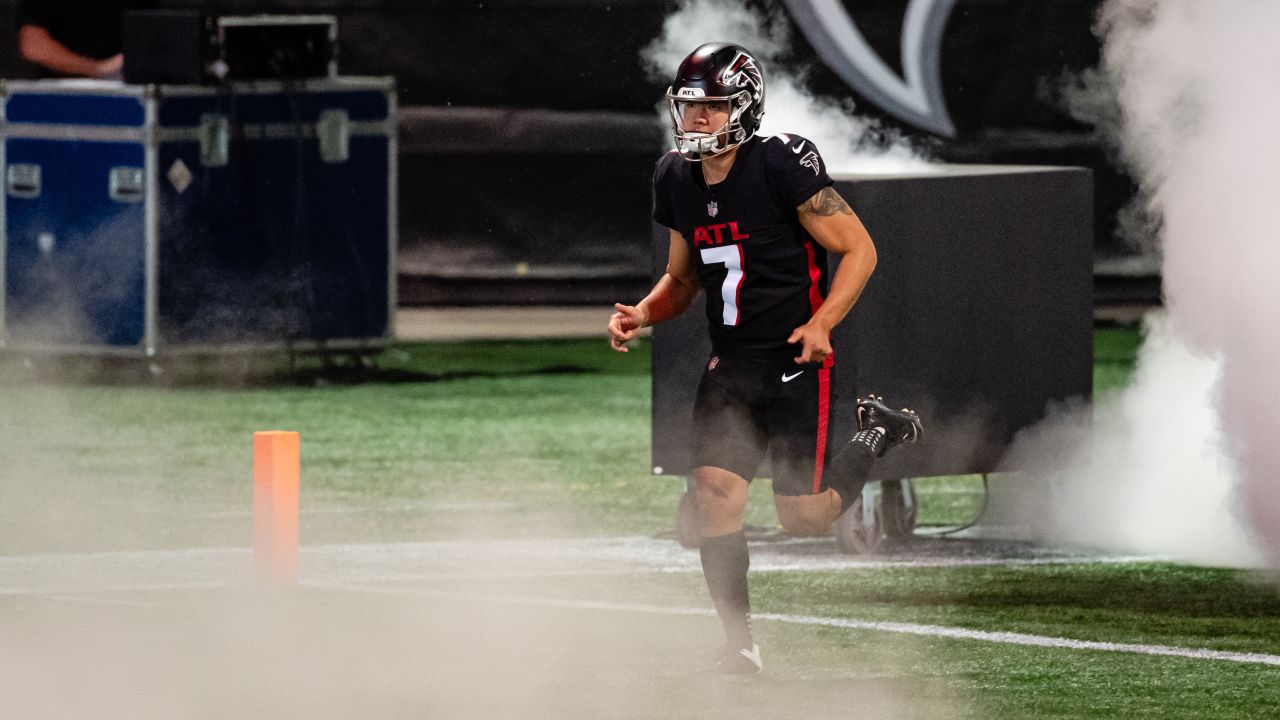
{"type": "Point", "coordinates": [1008, 638]}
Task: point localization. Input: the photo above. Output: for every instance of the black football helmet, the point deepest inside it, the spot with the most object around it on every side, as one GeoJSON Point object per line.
{"type": "Point", "coordinates": [717, 72]}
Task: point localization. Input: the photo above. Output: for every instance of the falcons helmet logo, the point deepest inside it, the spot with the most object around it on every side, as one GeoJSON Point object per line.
{"type": "Point", "coordinates": [744, 73]}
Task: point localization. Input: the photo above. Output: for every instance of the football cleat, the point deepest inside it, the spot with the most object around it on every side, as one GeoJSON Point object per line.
{"type": "Point", "coordinates": [899, 426]}
{"type": "Point", "coordinates": [739, 661]}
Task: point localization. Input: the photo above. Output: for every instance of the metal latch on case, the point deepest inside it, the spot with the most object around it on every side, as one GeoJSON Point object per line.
{"type": "Point", "coordinates": [333, 130]}
{"type": "Point", "coordinates": [214, 140]}
{"type": "Point", "coordinates": [126, 184]}
{"type": "Point", "coordinates": [22, 180]}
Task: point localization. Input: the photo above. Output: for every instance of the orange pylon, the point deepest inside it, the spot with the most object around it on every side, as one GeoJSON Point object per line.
{"type": "Point", "coordinates": [276, 469]}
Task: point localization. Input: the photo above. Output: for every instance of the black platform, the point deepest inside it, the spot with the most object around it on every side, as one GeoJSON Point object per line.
{"type": "Point", "coordinates": [979, 314]}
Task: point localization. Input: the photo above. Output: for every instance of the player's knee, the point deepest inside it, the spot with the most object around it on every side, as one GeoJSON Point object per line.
{"type": "Point", "coordinates": [719, 495]}
{"type": "Point", "coordinates": [712, 491]}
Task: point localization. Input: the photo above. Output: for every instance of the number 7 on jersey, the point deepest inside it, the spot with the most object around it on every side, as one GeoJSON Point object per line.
{"type": "Point", "coordinates": [732, 258]}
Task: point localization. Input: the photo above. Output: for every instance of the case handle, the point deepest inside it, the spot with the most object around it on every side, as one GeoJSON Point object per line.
{"type": "Point", "coordinates": [126, 184]}
{"type": "Point", "coordinates": [214, 140]}
{"type": "Point", "coordinates": [22, 180]}
{"type": "Point", "coordinates": [333, 130]}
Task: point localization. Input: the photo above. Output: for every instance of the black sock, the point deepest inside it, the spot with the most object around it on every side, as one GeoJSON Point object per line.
{"type": "Point", "coordinates": [724, 564]}
{"type": "Point", "coordinates": [847, 474]}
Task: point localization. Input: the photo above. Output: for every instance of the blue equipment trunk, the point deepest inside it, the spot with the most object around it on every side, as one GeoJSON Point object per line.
{"type": "Point", "coordinates": [138, 219]}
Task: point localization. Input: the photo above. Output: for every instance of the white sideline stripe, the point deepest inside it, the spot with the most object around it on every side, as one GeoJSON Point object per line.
{"type": "Point", "coordinates": [1007, 638]}
{"type": "Point", "coordinates": [1012, 638]}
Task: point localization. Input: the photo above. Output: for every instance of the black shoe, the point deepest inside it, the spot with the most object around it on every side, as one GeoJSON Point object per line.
{"type": "Point", "coordinates": [899, 426]}
{"type": "Point", "coordinates": [736, 661]}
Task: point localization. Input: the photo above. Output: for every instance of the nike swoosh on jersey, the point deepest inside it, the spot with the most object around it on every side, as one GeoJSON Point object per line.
{"type": "Point", "coordinates": [789, 378]}
{"type": "Point", "coordinates": [798, 148]}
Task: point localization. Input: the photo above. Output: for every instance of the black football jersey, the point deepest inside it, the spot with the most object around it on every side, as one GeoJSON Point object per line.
{"type": "Point", "coordinates": [762, 272]}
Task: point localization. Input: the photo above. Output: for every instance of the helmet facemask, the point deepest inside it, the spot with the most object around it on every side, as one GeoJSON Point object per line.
{"type": "Point", "coordinates": [696, 146]}
{"type": "Point", "coordinates": [717, 72]}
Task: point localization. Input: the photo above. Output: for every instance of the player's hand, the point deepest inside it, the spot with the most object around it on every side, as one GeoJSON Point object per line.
{"type": "Point", "coordinates": [814, 341]}
{"type": "Point", "coordinates": [624, 325]}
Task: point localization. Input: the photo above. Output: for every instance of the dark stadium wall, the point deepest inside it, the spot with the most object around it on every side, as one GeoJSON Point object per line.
{"type": "Point", "coordinates": [529, 127]}
{"type": "Point", "coordinates": [997, 55]}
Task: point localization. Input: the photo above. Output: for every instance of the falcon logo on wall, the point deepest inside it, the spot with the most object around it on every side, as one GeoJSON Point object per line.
{"type": "Point", "coordinates": [915, 98]}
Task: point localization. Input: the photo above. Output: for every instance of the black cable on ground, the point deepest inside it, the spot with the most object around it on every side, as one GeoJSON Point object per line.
{"type": "Point", "coordinates": [945, 532]}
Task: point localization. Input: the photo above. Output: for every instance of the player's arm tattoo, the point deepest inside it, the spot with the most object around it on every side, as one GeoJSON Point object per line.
{"type": "Point", "coordinates": [826, 202]}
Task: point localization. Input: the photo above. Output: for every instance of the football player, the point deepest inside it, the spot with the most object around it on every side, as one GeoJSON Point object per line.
{"type": "Point", "coordinates": [751, 222]}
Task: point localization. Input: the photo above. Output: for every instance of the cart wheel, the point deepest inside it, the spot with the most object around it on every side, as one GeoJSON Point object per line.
{"type": "Point", "coordinates": [687, 521]}
{"type": "Point", "coordinates": [860, 530]}
{"type": "Point", "coordinates": [898, 508]}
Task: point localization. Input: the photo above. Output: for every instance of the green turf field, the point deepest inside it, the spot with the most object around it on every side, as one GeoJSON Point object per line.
{"type": "Point", "coordinates": [453, 459]}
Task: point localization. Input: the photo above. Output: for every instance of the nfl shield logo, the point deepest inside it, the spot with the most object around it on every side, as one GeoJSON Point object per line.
{"type": "Point", "coordinates": [712, 209]}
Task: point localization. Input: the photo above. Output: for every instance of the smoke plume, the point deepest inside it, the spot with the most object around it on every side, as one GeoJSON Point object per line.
{"type": "Point", "coordinates": [1195, 84]}
{"type": "Point", "coordinates": [1143, 472]}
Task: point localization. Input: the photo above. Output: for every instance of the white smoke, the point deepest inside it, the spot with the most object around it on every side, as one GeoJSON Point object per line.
{"type": "Point", "coordinates": [1143, 472]}
{"type": "Point", "coordinates": [1185, 460]}
{"type": "Point", "coordinates": [1090, 97]}
{"type": "Point", "coordinates": [848, 142]}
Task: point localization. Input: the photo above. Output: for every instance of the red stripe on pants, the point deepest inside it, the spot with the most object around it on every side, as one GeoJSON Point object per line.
{"type": "Point", "coordinates": [824, 402]}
